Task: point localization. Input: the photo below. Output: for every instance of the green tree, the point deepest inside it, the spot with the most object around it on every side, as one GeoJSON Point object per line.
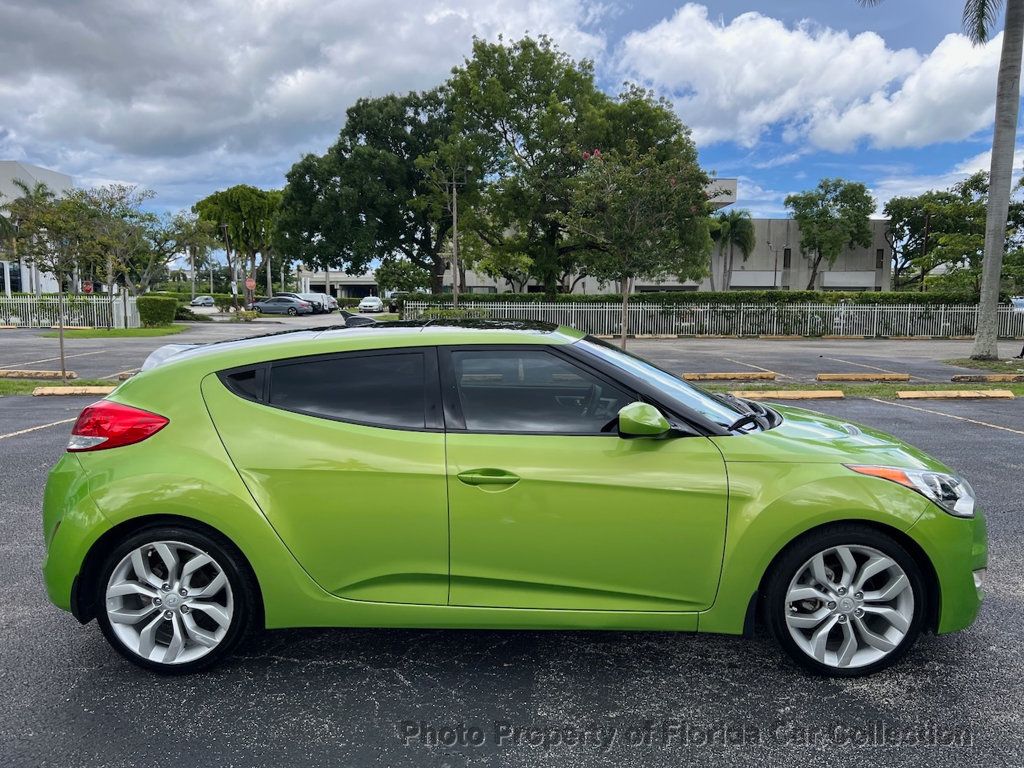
{"type": "Point", "coordinates": [56, 235]}
{"type": "Point", "coordinates": [398, 274]}
{"type": "Point", "coordinates": [249, 216]}
{"type": "Point", "coordinates": [979, 19]}
{"type": "Point", "coordinates": [833, 216]}
{"type": "Point", "coordinates": [368, 196]}
{"type": "Point", "coordinates": [734, 229]}
{"type": "Point", "coordinates": [645, 216]}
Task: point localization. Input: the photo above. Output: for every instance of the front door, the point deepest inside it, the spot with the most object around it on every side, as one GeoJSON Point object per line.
{"type": "Point", "coordinates": [550, 508]}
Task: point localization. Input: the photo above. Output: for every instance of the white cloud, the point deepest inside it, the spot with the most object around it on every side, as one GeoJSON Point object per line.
{"type": "Point", "coordinates": [221, 91]}
{"type": "Point", "coordinates": [736, 80]}
{"type": "Point", "coordinates": [908, 184]}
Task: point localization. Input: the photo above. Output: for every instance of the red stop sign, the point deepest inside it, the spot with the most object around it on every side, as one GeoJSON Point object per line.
{"type": "Point", "coordinates": [87, 286]}
{"type": "Point", "coordinates": [250, 284]}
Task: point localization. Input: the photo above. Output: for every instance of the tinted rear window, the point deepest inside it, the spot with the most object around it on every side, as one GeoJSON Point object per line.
{"type": "Point", "coordinates": [387, 390]}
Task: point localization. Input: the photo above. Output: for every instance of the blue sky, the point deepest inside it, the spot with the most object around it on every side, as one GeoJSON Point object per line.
{"type": "Point", "coordinates": [192, 96]}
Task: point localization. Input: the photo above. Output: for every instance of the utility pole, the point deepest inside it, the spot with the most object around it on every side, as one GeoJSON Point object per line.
{"type": "Point", "coordinates": [455, 241]}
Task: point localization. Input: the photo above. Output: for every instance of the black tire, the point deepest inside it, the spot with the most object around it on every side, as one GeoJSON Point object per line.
{"type": "Point", "coordinates": [246, 602]}
{"type": "Point", "coordinates": [293, 311]}
{"type": "Point", "coordinates": [794, 557]}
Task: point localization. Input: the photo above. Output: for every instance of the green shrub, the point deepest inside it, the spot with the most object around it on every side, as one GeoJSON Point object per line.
{"type": "Point", "coordinates": [184, 312]}
{"type": "Point", "coordinates": [244, 316]}
{"type": "Point", "coordinates": [155, 311]}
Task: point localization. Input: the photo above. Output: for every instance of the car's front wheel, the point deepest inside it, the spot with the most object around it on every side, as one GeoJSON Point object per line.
{"type": "Point", "coordinates": [845, 601]}
{"type": "Point", "coordinates": [175, 600]}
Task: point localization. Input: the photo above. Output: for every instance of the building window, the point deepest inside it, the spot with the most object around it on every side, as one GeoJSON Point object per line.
{"type": "Point", "coordinates": [787, 258]}
{"type": "Point", "coordinates": [482, 289]}
{"type": "Point", "coordinates": [879, 257]}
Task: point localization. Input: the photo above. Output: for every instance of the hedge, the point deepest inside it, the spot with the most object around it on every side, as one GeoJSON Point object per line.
{"type": "Point", "coordinates": [156, 310]}
{"type": "Point", "coordinates": [724, 297]}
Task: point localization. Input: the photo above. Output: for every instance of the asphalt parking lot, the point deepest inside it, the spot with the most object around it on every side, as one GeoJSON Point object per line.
{"type": "Point", "coordinates": [393, 698]}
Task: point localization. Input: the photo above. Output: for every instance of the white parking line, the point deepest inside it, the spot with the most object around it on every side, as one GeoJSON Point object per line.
{"type": "Point", "coordinates": [756, 367]}
{"type": "Point", "coordinates": [51, 359]}
{"type": "Point", "coordinates": [33, 429]}
{"type": "Point", "coordinates": [949, 416]}
{"type": "Point", "coordinates": [862, 365]}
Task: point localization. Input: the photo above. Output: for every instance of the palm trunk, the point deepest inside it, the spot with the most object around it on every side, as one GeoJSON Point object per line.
{"type": "Point", "coordinates": [270, 275]}
{"type": "Point", "coordinates": [627, 287]}
{"type": "Point", "coordinates": [986, 343]}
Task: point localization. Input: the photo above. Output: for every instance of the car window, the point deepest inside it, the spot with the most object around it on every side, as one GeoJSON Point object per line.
{"type": "Point", "coordinates": [385, 390]}
{"type": "Point", "coordinates": [511, 390]}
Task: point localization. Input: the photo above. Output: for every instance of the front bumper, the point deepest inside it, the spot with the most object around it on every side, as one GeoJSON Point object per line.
{"type": "Point", "coordinates": [958, 550]}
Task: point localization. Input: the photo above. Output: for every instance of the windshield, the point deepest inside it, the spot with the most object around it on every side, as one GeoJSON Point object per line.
{"type": "Point", "coordinates": [712, 407]}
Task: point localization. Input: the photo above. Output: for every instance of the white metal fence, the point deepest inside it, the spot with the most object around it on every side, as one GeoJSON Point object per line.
{"type": "Point", "coordinates": [91, 311]}
{"type": "Point", "coordinates": [646, 318]}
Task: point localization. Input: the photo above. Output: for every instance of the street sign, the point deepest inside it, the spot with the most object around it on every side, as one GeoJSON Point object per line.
{"type": "Point", "coordinates": [250, 284]}
{"type": "Point", "coordinates": [87, 286]}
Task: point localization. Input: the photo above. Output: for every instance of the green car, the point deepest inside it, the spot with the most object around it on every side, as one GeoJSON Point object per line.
{"type": "Point", "coordinates": [491, 475]}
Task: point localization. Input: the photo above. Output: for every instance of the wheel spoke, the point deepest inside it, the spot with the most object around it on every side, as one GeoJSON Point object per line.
{"type": "Point", "coordinates": [849, 647]}
{"type": "Point", "coordinates": [894, 617]}
{"type": "Point", "coordinates": [192, 566]}
{"type": "Point", "coordinates": [805, 592]}
{"type": "Point", "coordinates": [819, 639]}
{"type": "Point", "coordinates": [873, 639]}
{"type": "Point", "coordinates": [130, 615]}
{"type": "Point", "coordinates": [807, 620]}
{"type": "Point", "coordinates": [872, 567]}
{"type": "Point", "coordinates": [147, 637]}
{"type": "Point", "coordinates": [215, 586]}
{"type": "Point", "coordinates": [142, 570]}
{"type": "Point", "coordinates": [170, 560]}
{"type": "Point", "coordinates": [197, 633]}
{"type": "Point", "coordinates": [818, 569]}
{"type": "Point", "coordinates": [849, 565]}
{"type": "Point", "coordinates": [214, 611]}
{"type": "Point", "coordinates": [177, 640]}
{"type": "Point", "coordinates": [889, 591]}
{"type": "Point", "coordinates": [131, 588]}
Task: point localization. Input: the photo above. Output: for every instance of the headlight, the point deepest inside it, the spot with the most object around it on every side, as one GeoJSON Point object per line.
{"type": "Point", "coordinates": [952, 493]}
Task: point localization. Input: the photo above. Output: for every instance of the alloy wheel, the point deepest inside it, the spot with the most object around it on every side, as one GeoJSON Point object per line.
{"type": "Point", "coordinates": [849, 606]}
{"type": "Point", "coordinates": [169, 602]}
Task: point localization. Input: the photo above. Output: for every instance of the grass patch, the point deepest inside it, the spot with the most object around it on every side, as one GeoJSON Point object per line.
{"type": "Point", "coordinates": [993, 366]}
{"type": "Point", "coordinates": [118, 333]}
{"type": "Point", "coordinates": [884, 390]}
{"type": "Point", "coordinates": [25, 386]}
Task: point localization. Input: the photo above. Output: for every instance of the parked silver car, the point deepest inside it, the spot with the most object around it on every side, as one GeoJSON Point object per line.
{"type": "Point", "coordinates": [283, 305]}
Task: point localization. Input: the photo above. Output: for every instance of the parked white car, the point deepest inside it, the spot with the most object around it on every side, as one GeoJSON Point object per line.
{"type": "Point", "coordinates": [371, 304]}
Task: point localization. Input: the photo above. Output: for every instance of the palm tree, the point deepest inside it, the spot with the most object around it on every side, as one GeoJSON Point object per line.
{"type": "Point", "coordinates": [979, 19]}
{"type": "Point", "coordinates": [735, 230]}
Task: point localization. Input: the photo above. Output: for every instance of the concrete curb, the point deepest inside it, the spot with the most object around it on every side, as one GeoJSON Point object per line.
{"type": "Point", "coordinates": [863, 377]}
{"type": "Point", "coordinates": [28, 374]}
{"type": "Point", "coordinates": [790, 394]}
{"type": "Point", "coordinates": [59, 391]}
{"type": "Point", "coordinates": [737, 376]}
{"type": "Point", "coordinates": [953, 394]}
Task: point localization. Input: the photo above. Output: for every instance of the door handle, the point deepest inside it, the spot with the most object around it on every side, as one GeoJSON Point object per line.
{"type": "Point", "coordinates": [488, 477]}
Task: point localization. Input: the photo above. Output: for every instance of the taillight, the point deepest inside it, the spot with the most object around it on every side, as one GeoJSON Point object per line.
{"type": "Point", "coordinates": [107, 424]}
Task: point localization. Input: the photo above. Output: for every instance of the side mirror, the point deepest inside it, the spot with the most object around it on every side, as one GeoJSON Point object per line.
{"type": "Point", "coordinates": [642, 420]}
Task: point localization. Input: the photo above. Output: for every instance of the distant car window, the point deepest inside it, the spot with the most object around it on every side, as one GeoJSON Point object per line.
{"type": "Point", "coordinates": [532, 391]}
{"type": "Point", "coordinates": [386, 390]}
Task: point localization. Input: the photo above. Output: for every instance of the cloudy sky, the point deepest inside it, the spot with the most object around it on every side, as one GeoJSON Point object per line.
{"type": "Point", "coordinates": [187, 97]}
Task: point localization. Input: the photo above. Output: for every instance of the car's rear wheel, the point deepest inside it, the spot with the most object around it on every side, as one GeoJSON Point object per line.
{"type": "Point", "coordinates": [292, 311]}
{"type": "Point", "coordinates": [175, 600]}
{"type": "Point", "coordinates": [845, 601]}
